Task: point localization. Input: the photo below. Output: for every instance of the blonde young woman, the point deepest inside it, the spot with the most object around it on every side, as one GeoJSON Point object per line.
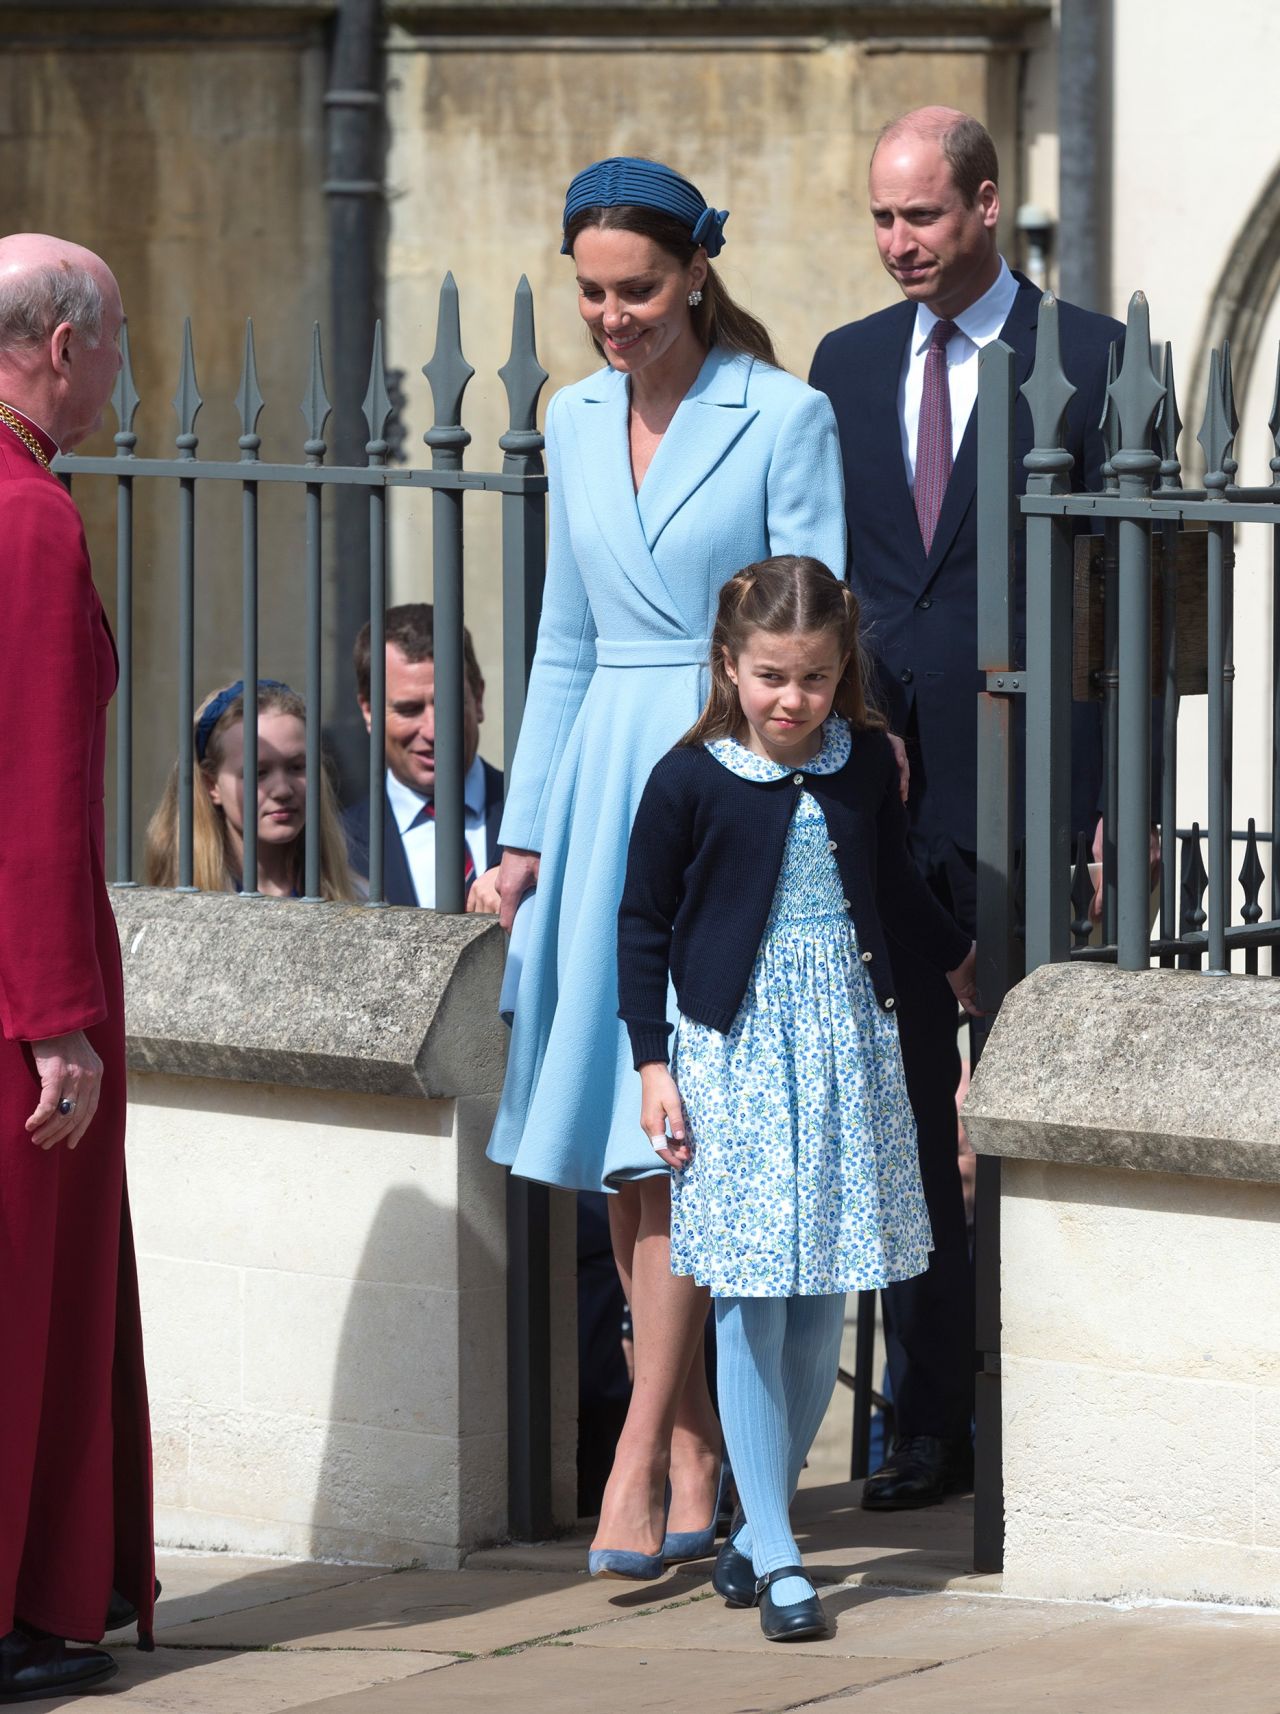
{"type": "Point", "coordinates": [218, 803]}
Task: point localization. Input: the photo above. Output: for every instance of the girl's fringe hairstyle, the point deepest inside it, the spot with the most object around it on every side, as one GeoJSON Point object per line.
{"type": "Point", "coordinates": [718, 319]}
{"type": "Point", "coordinates": [781, 597]}
{"type": "Point", "coordinates": [213, 854]}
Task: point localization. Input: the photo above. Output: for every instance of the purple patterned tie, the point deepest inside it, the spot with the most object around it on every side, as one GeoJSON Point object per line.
{"type": "Point", "coordinates": [933, 439]}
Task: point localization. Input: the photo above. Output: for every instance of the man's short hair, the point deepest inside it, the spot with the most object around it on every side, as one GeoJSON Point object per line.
{"type": "Point", "coordinates": [412, 628]}
{"type": "Point", "coordinates": [37, 300]}
{"type": "Point", "coordinates": [966, 147]}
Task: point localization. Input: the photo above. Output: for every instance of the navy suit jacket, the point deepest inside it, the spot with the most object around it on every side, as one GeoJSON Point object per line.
{"type": "Point", "coordinates": [397, 881]}
{"type": "Point", "coordinates": [920, 611]}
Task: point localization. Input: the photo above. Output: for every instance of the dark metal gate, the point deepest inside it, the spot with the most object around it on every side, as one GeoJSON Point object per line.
{"type": "Point", "coordinates": [521, 485]}
{"type": "Point", "coordinates": [1137, 613]}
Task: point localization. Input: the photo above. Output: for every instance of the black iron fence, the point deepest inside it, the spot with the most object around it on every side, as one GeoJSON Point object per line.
{"type": "Point", "coordinates": [521, 483]}
{"type": "Point", "coordinates": [1129, 602]}
{"type": "Point", "coordinates": [521, 487]}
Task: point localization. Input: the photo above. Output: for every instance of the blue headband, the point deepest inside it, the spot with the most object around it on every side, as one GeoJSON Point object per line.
{"type": "Point", "coordinates": [627, 181]}
{"type": "Point", "coordinates": [219, 706]}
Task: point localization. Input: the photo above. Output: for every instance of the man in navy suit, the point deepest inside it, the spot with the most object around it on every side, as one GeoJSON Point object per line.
{"type": "Point", "coordinates": [408, 798]}
{"type": "Point", "coordinates": [903, 384]}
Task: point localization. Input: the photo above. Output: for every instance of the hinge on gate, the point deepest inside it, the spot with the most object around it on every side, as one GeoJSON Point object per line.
{"type": "Point", "coordinates": [1007, 684]}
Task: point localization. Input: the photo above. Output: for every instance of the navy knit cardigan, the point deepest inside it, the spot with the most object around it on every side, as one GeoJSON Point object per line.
{"type": "Point", "coordinates": [703, 864]}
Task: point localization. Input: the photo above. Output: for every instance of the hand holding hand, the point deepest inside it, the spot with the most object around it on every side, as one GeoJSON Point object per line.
{"type": "Point", "coordinates": [484, 899]}
{"type": "Point", "coordinates": [70, 1075]}
{"type": "Point", "coordinates": [661, 1109]}
{"type": "Point", "coordinates": [517, 875]}
{"type": "Point", "coordinates": [964, 983]}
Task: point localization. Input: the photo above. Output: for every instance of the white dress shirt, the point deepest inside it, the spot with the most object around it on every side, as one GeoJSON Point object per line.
{"type": "Point", "coordinates": [419, 837]}
{"type": "Point", "coordinates": [977, 326]}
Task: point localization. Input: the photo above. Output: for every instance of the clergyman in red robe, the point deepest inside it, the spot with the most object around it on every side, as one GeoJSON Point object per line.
{"type": "Point", "coordinates": [75, 1447]}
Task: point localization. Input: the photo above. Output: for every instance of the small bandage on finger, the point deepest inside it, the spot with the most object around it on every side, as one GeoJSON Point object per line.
{"type": "Point", "coordinates": [658, 1140]}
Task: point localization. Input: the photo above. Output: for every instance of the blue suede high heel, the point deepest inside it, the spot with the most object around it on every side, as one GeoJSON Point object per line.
{"type": "Point", "coordinates": [696, 1544]}
{"type": "Point", "coordinates": [622, 1562]}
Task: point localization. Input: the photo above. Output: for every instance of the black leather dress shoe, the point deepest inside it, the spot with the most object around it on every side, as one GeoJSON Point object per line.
{"type": "Point", "coordinates": [796, 1621]}
{"type": "Point", "coordinates": [733, 1575]}
{"type": "Point", "coordinates": [919, 1472]}
{"type": "Point", "coordinates": [31, 1667]}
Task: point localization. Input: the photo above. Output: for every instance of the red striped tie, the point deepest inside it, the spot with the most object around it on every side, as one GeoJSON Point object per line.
{"type": "Point", "coordinates": [469, 863]}
{"type": "Point", "coordinates": [933, 440]}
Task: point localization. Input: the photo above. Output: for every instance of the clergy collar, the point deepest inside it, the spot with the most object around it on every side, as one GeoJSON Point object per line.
{"type": "Point", "coordinates": [406, 804]}
{"type": "Point", "coordinates": [982, 321]}
{"type": "Point", "coordinates": [50, 445]}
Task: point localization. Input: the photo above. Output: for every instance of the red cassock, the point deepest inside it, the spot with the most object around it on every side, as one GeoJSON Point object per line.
{"type": "Point", "coordinates": [75, 1444]}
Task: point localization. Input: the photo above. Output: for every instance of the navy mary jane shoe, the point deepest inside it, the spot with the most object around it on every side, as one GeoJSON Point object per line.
{"type": "Point", "coordinates": [733, 1577]}
{"type": "Point", "coordinates": [798, 1621]}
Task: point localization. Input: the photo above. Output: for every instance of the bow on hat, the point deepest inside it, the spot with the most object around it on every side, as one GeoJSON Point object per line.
{"type": "Point", "coordinates": [629, 181]}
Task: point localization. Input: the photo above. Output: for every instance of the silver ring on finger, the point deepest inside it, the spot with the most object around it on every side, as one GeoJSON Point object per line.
{"type": "Point", "coordinates": [66, 1105]}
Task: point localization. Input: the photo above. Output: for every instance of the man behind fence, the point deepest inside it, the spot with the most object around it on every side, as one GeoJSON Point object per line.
{"type": "Point", "coordinates": [408, 800]}
{"type": "Point", "coordinates": [904, 384]}
{"type": "Point", "coordinates": [75, 1449]}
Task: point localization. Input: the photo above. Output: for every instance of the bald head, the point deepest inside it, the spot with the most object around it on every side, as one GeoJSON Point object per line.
{"type": "Point", "coordinates": [964, 143]}
{"type": "Point", "coordinates": [60, 316]}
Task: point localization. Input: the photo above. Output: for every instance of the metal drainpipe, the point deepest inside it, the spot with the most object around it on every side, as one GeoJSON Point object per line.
{"type": "Point", "coordinates": [355, 143]}
{"type": "Point", "coordinates": [1082, 195]}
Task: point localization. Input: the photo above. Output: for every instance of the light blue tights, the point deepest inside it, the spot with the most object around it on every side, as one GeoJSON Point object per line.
{"type": "Point", "coordinates": [776, 1362]}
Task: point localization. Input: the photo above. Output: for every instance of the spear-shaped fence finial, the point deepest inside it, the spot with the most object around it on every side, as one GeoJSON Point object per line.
{"type": "Point", "coordinates": [447, 375]}
{"type": "Point", "coordinates": [315, 406]}
{"type": "Point", "coordinates": [377, 402]}
{"type": "Point", "coordinates": [124, 398]}
{"type": "Point", "coordinates": [524, 378]}
{"type": "Point", "coordinates": [1048, 392]}
{"type": "Point", "coordinates": [249, 400]}
{"type": "Point", "coordinates": [1215, 431]}
{"type": "Point", "coordinates": [1168, 428]}
{"type": "Point", "coordinates": [1138, 394]}
{"type": "Point", "coordinates": [187, 400]}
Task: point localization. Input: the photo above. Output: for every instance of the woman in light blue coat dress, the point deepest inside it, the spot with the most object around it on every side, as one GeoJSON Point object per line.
{"type": "Point", "coordinates": [689, 456]}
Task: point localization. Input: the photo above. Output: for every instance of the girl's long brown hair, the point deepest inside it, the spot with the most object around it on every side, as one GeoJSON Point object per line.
{"type": "Point", "coordinates": [213, 858]}
{"type": "Point", "coordinates": [717, 320]}
{"type": "Point", "coordinates": [782, 596]}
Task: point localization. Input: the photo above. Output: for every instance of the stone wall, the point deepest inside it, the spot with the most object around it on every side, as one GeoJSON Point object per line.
{"type": "Point", "coordinates": [321, 1240]}
{"type": "Point", "coordinates": [771, 110]}
{"type": "Point", "coordinates": [1135, 1114]}
{"type": "Point", "coordinates": [186, 146]}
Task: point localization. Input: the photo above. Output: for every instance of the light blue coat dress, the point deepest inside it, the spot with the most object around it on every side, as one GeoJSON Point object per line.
{"type": "Point", "coordinates": [749, 467]}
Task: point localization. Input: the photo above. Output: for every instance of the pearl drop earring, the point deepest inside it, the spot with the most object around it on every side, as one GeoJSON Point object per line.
{"type": "Point", "coordinates": [695, 298]}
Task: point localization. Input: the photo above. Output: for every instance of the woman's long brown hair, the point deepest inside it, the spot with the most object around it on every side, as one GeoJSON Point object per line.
{"type": "Point", "coordinates": [783, 596]}
{"type": "Point", "coordinates": [718, 319]}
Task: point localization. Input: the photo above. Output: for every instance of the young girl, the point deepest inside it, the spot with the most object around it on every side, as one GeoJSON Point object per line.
{"type": "Point", "coordinates": [217, 831]}
{"type": "Point", "coordinates": [767, 864]}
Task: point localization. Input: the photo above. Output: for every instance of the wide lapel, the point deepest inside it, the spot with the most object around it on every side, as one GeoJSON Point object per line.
{"type": "Point", "coordinates": [880, 386]}
{"type": "Point", "coordinates": [1019, 333]}
{"type": "Point", "coordinates": [710, 418]}
{"type": "Point", "coordinates": [598, 412]}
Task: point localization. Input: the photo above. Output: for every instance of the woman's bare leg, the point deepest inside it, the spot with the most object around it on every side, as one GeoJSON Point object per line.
{"type": "Point", "coordinates": [667, 1315]}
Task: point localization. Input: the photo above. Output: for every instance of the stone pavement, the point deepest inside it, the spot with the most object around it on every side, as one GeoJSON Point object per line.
{"type": "Point", "coordinates": [523, 1630]}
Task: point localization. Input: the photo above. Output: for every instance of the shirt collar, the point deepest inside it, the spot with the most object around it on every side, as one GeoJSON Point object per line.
{"type": "Point", "coordinates": [406, 804]}
{"type": "Point", "coordinates": [982, 321]}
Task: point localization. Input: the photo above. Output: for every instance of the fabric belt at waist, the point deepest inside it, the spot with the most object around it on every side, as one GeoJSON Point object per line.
{"type": "Point", "coordinates": [654, 652]}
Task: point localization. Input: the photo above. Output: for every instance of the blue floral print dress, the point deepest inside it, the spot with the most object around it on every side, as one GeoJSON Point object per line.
{"type": "Point", "coordinates": [805, 1178]}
